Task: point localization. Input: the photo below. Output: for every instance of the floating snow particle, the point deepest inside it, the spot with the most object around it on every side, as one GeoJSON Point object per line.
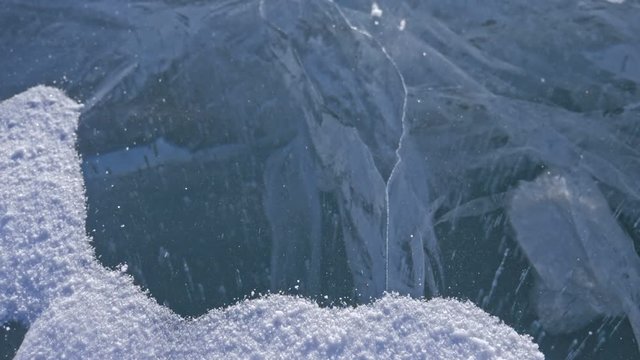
{"type": "Point", "coordinates": [403, 25]}
{"type": "Point", "coordinates": [375, 10]}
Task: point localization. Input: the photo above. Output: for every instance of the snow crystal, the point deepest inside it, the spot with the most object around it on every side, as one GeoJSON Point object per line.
{"type": "Point", "coordinates": [403, 25]}
{"type": "Point", "coordinates": [50, 281]}
{"type": "Point", "coordinates": [375, 10]}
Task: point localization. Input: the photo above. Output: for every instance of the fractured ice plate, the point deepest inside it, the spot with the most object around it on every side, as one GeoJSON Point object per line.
{"type": "Point", "coordinates": [586, 264]}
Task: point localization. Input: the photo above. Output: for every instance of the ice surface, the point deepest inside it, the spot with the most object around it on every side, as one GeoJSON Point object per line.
{"type": "Point", "coordinates": [586, 264]}
{"type": "Point", "coordinates": [75, 308]}
{"type": "Point", "coordinates": [297, 112]}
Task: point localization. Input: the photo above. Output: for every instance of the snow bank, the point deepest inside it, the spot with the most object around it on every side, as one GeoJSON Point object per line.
{"type": "Point", "coordinates": [76, 308]}
{"type": "Point", "coordinates": [42, 241]}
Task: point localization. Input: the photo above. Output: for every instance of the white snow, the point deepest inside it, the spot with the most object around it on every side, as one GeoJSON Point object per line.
{"type": "Point", "coordinates": [403, 25]}
{"type": "Point", "coordinates": [50, 281]}
{"type": "Point", "coordinates": [42, 241]}
{"type": "Point", "coordinates": [375, 10]}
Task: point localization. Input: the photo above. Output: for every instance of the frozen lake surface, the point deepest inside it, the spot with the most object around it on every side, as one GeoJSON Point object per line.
{"type": "Point", "coordinates": [340, 149]}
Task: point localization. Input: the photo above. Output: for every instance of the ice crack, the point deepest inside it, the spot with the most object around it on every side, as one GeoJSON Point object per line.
{"type": "Point", "coordinates": [400, 140]}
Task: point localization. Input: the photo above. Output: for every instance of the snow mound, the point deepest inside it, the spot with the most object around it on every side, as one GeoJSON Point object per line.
{"type": "Point", "coordinates": [42, 241]}
{"type": "Point", "coordinates": [50, 281]}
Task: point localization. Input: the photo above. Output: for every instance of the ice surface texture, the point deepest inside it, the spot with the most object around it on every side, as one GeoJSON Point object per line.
{"type": "Point", "coordinates": [480, 113]}
{"type": "Point", "coordinates": [78, 309]}
{"type": "Point", "coordinates": [560, 214]}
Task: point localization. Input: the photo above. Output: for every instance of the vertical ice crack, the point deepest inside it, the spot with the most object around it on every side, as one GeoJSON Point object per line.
{"type": "Point", "coordinates": [109, 83]}
{"type": "Point", "coordinates": [395, 166]}
{"type": "Point", "coordinates": [494, 283]}
{"type": "Point", "coordinates": [261, 10]}
{"type": "Point", "coordinates": [394, 170]}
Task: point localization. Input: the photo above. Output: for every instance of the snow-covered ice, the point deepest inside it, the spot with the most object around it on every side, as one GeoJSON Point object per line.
{"type": "Point", "coordinates": [295, 113]}
{"type": "Point", "coordinates": [75, 308]}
